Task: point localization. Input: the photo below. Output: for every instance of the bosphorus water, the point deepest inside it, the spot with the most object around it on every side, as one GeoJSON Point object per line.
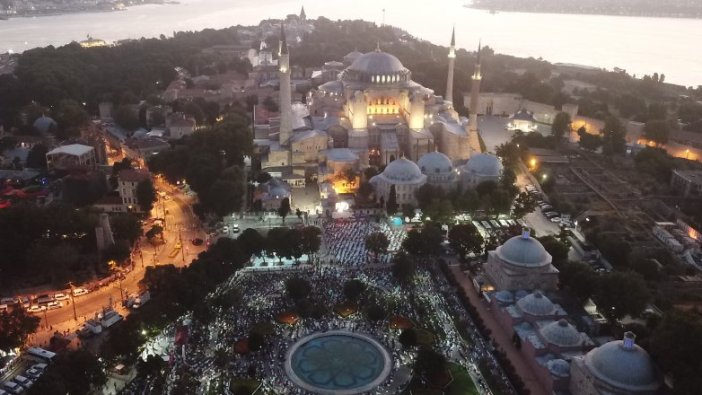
{"type": "Point", "coordinates": [638, 45]}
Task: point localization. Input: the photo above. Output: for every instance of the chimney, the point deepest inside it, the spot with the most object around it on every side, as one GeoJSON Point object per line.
{"type": "Point", "coordinates": [629, 340]}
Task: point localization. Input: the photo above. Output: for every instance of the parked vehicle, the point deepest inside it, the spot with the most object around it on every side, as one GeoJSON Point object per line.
{"type": "Point", "coordinates": [44, 299]}
{"type": "Point", "coordinates": [109, 318]}
{"type": "Point", "coordinates": [54, 305]}
{"type": "Point", "coordinates": [141, 299]}
{"type": "Point", "coordinates": [8, 301]}
{"type": "Point", "coordinates": [235, 228]}
{"type": "Point", "coordinates": [60, 296]}
{"type": "Point", "coordinates": [197, 242]}
{"type": "Point", "coordinates": [33, 373]}
{"type": "Point", "coordinates": [24, 301]}
{"type": "Point", "coordinates": [79, 291]}
{"type": "Point", "coordinates": [36, 308]}
{"type": "Point", "coordinates": [13, 387]}
{"type": "Point", "coordinates": [23, 381]}
{"type": "Point", "coordinates": [44, 355]}
{"type": "Point", "coordinates": [556, 220]}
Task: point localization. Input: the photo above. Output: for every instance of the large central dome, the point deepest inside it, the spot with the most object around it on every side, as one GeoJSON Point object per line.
{"type": "Point", "coordinates": [524, 251]}
{"type": "Point", "coordinates": [377, 62]}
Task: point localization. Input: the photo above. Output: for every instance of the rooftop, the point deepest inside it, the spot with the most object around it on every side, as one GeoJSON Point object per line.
{"type": "Point", "coordinates": [71, 149]}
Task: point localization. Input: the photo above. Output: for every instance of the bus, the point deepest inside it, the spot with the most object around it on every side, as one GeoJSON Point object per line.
{"type": "Point", "coordinates": [44, 355]}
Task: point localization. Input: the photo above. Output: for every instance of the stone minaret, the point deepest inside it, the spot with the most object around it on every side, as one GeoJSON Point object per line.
{"type": "Point", "coordinates": [451, 64]}
{"type": "Point", "coordinates": [286, 122]}
{"type": "Point", "coordinates": [473, 138]}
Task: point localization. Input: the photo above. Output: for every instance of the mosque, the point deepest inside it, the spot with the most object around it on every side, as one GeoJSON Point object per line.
{"type": "Point", "coordinates": [379, 116]}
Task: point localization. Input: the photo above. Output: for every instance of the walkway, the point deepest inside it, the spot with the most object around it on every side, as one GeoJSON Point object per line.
{"type": "Point", "coordinates": [498, 335]}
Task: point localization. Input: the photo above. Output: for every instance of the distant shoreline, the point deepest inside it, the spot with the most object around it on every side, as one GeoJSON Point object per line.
{"type": "Point", "coordinates": [583, 12]}
{"type": "Point", "coordinates": [42, 13]}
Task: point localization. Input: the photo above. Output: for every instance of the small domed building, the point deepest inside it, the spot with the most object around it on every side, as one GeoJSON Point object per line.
{"type": "Point", "coordinates": [617, 367]}
{"type": "Point", "coordinates": [480, 168]}
{"type": "Point", "coordinates": [521, 263]}
{"type": "Point", "coordinates": [404, 175]}
{"type": "Point", "coordinates": [438, 169]}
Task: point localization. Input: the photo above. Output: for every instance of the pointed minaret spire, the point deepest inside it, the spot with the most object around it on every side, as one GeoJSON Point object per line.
{"type": "Point", "coordinates": [451, 65]}
{"type": "Point", "coordinates": [283, 41]}
{"type": "Point", "coordinates": [473, 138]}
{"type": "Point", "coordinates": [303, 16]}
{"type": "Point", "coordinates": [377, 46]}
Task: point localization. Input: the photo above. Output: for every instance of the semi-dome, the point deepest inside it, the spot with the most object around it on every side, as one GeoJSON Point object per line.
{"type": "Point", "coordinates": [561, 333]}
{"type": "Point", "coordinates": [435, 163]}
{"type": "Point", "coordinates": [377, 62]}
{"type": "Point", "coordinates": [524, 251]}
{"type": "Point", "coordinates": [623, 365]}
{"type": "Point", "coordinates": [536, 304]}
{"type": "Point", "coordinates": [485, 165]}
{"type": "Point", "coordinates": [558, 367]}
{"type": "Point", "coordinates": [504, 297]}
{"type": "Point", "coordinates": [352, 56]}
{"type": "Point", "coordinates": [402, 169]}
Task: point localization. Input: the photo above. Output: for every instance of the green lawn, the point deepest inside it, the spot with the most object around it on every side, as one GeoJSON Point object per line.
{"type": "Point", "coordinates": [462, 383]}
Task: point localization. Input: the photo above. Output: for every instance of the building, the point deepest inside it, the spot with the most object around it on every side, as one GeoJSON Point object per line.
{"type": "Point", "coordinates": [617, 367]}
{"type": "Point", "coordinates": [70, 156]}
{"type": "Point", "coordinates": [179, 126]}
{"type": "Point", "coordinates": [687, 182]}
{"type": "Point", "coordinates": [379, 108]}
{"type": "Point", "coordinates": [272, 193]}
{"type": "Point", "coordinates": [127, 182]}
{"type": "Point", "coordinates": [523, 120]}
{"type": "Point", "coordinates": [402, 174]}
{"type": "Point", "coordinates": [480, 168]}
{"type": "Point", "coordinates": [521, 263]}
{"type": "Point", "coordinates": [438, 169]}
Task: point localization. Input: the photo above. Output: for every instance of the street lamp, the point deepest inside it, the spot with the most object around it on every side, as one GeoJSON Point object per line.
{"type": "Point", "coordinates": [543, 177]}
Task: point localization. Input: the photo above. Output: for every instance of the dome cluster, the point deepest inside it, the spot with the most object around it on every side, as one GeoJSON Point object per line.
{"type": "Point", "coordinates": [524, 251]}
{"type": "Point", "coordinates": [536, 304]}
{"type": "Point", "coordinates": [484, 165]}
{"type": "Point", "coordinates": [377, 68]}
{"type": "Point", "coordinates": [624, 366]}
{"type": "Point", "coordinates": [403, 170]}
{"type": "Point", "coordinates": [435, 163]}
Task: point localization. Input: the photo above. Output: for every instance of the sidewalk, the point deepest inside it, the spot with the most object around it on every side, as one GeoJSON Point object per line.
{"type": "Point", "coordinates": [498, 335]}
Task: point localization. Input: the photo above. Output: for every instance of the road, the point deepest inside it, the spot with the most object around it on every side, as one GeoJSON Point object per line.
{"type": "Point", "coordinates": [179, 222]}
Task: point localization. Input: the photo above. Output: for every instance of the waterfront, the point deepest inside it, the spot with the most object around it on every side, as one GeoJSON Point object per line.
{"type": "Point", "coordinates": [639, 45]}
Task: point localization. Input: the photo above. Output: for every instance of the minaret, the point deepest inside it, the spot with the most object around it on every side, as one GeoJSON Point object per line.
{"type": "Point", "coordinates": [473, 138]}
{"type": "Point", "coordinates": [286, 123]}
{"type": "Point", "coordinates": [303, 16]}
{"type": "Point", "coordinates": [451, 64]}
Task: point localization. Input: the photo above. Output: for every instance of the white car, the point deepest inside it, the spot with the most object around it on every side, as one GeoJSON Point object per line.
{"type": "Point", "coordinates": [80, 291]}
{"type": "Point", "coordinates": [60, 296]}
{"type": "Point", "coordinates": [225, 230]}
{"type": "Point", "coordinates": [23, 381]}
{"type": "Point", "coordinates": [33, 373]}
{"type": "Point", "coordinates": [235, 228]}
{"type": "Point", "coordinates": [36, 308]}
{"type": "Point", "coordinates": [54, 305]}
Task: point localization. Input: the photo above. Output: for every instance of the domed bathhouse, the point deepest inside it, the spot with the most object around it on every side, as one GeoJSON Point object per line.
{"type": "Point", "coordinates": [404, 175]}
{"type": "Point", "coordinates": [481, 168]}
{"type": "Point", "coordinates": [521, 263]}
{"type": "Point", "coordinates": [617, 367]}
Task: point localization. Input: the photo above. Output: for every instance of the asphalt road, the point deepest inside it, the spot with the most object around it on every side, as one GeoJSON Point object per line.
{"type": "Point", "coordinates": [179, 222]}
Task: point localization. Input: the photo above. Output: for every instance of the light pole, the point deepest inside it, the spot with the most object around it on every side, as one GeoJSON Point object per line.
{"type": "Point", "coordinates": [73, 302]}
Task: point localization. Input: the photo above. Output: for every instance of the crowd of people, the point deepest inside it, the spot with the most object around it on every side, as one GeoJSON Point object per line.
{"type": "Point", "coordinates": [344, 240]}
{"type": "Point", "coordinates": [430, 304]}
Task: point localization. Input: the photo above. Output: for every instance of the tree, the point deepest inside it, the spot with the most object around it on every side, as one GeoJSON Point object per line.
{"type": "Point", "coordinates": [578, 278]}
{"type": "Point", "coordinates": [252, 242]}
{"type": "Point", "coordinates": [125, 226]}
{"type": "Point", "coordinates": [403, 268]}
{"type": "Point", "coordinates": [224, 197]}
{"type": "Point", "coordinates": [70, 116]}
{"type": "Point", "coordinates": [408, 338]}
{"type": "Point", "coordinates": [36, 158]}
{"type": "Point", "coordinates": [589, 141]}
{"type": "Point", "coordinates": [146, 195]}
{"type": "Point", "coordinates": [677, 345]}
{"type": "Point", "coordinates": [270, 104]}
{"type": "Point", "coordinates": [284, 208]}
{"type": "Point", "coordinates": [561, 125]}
{"type": "Point", "coordinates": [118, 251]}
{"type": "Point", "coordinates": [391, 205]}
{"type": "Point", "coordinates": [613, 136]}
{"type": "Point", "coordinates": [297, 287]}
{"type": "Point", "coordinates": [377, 243]}
{"type": "Point", "coordinates": [557, 249]}
{"type": "Point", "coordinates": [621, 293]}
{"type": "Point", "coordinates": [465, 238]}
{"type": "Point", "coordinates": [126, 117]}
{"type": "Point", "coordinates": [311, 240]}
{"type": "Point", "coordinates": [15, 326]}
{"type": "Point", "coordinates": [657, 130]}
{"type": "Point", "coordinates": [255, 340]}
{"type": "Point", "coordinates": [429, 364]}
{"type": "Point", "coordinates": [78, 371]}
{"type": "Point", "coordinates": [375, 312]}
{"type": "Point", "coordinates": [524, 204]}
{"type": "Point", "coordinates": [353, 289]}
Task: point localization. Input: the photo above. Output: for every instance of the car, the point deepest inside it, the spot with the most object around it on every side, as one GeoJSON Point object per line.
{"type": "Point", "coordinates": [551, 214]}
{"type": "Point", "coordinates": [36, 308]}
{"type": "Point", "coordinates": [3, 307]}
{"type": "Point", "coordinates": [24, 301]}
{"type": "Point", "coordinates": [8, 301]}
{"type": "Point", "coordinates": [197, 242]}
{"type": "Point", "coordinates": [60, 296]}
{"type": "Point", "coordinates": [54, 305]}
{"type": "Point", "coordinates": [44, 299]}
{"type": "Point", "coordinates": [40, 367]}
{"type": "Point", "coordinates": [547, 207]}
{"type": "Point", "coordinates": [12, 387]}
{"type": "Point", "coordinates": [555, 220]}
{"type": "Point", "coordinates": [235, 228]}
{"type": "Point", "coordinates": [225, 229]}
{"type": "Point", "coordinates": [33, 373]}
{"type": "Point", "coordinates": [23, 381]}
{"type": "Point", "coordinates": [79, 291]}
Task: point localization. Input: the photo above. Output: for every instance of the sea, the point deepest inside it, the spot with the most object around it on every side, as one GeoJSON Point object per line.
{"type": "Point", "coordinates": [639, 45]}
